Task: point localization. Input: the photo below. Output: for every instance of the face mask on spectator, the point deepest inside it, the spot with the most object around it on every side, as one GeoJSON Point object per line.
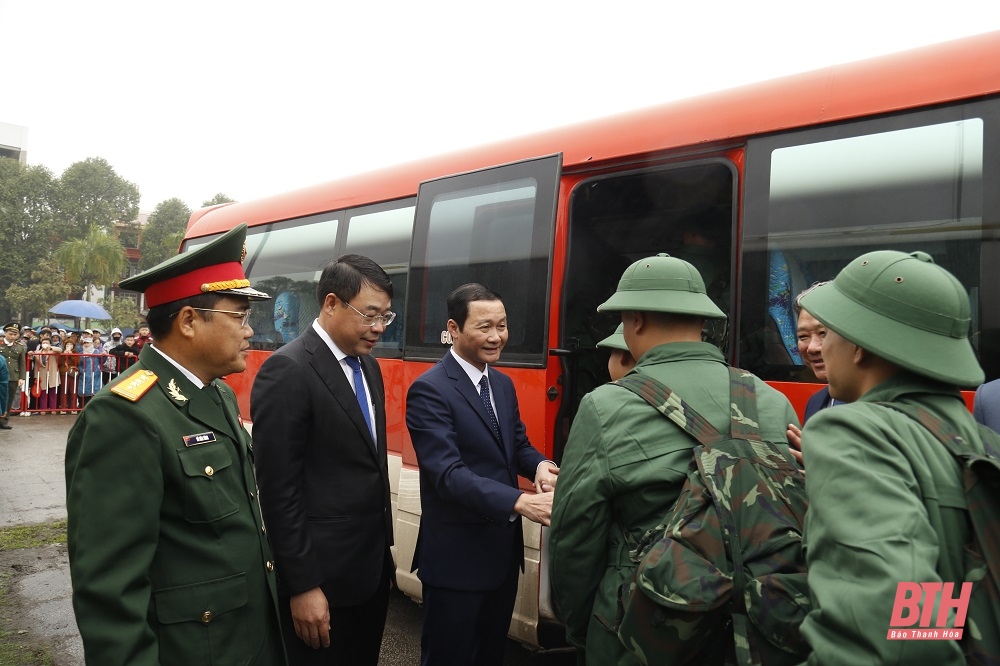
{"type": "Point", "coordinates": [45, 345]}
{"type": "Point", "coordinates": [87, 342]}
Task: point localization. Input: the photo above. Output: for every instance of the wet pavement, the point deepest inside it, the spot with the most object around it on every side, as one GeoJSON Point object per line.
{"type": "Point", "coordinates": [32, 490]}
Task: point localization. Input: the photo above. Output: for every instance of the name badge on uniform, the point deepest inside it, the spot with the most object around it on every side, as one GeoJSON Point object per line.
{"type": "Point", "coordinates": [200, 438]}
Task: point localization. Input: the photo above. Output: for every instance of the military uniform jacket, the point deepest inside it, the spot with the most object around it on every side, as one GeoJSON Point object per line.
{"type": "Point", "coordinates": [868, 528]}
{"type": "Point", "coordinates": [16, 355]}
{"type": "Point", "coordinates": [623, 468]}
{"type": "Point", "coordinates": [168, 557]}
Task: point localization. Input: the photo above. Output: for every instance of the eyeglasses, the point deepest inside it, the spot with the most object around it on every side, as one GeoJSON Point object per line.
{"type": "Point", "coordinates": [373, 320]}
{"type": "Point", "coordinates": [244, 315]}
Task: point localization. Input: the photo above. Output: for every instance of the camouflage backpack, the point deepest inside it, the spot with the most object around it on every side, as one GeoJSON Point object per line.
{"type": "Point", "coordinates": [981, 482]}
{"type": "Point", "coordinates": [723, 579]}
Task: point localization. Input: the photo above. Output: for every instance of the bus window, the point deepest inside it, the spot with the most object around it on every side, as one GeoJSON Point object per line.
{"type": "Point", "coordinates": [383, 234]}
{"type": "Point", "coordinates": [615, 220]}
{"type": "Point", "coordinates": [285, 260]}
{"type": "Point", "coordinates": [818, 199]}
{"type": "Point", "coordinates": [493, 227]}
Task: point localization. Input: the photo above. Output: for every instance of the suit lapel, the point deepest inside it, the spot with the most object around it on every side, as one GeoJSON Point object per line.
{"type": "Point", "coordinates": [331, 373]}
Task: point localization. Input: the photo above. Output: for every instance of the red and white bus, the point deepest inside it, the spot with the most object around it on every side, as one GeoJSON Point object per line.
{"type": "Point", "coordinates": [765, 188]}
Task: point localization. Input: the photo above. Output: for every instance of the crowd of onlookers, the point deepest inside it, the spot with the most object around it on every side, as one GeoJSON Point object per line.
{"type": "Point", "coordinates": [65, 369]}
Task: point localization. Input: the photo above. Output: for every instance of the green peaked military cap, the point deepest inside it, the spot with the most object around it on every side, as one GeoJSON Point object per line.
{"type": "Point", "coordinates": [216, 267]}
{"type": "Point", "coordinates": [12, 326]}
{"type": "Point", "coordinates": [662, 284]}
{"type": "Point", "coordinates": [903, 308]}
{"type": "Point", "coordinates": [616, 340]}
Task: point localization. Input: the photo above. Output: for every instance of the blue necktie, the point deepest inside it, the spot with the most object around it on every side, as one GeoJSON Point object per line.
{"type": "Point", "coordinates": [360, 394]}
{"type": "Point", "coordinates": [484, 393]}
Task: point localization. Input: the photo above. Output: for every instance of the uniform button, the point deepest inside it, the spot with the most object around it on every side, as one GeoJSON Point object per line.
{"type": "Point", "coordinates": [209, 471]}
{"type": "Point", "coordinates": [270, 565]}
{"type": "Point", "coordinates": [206, 617]}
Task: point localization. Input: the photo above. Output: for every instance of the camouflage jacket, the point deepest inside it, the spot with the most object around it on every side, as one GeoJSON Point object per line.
{"type": "Point", "coordinates": [867, 528]}
{"type": "Point", "coordinates": [625, 464]}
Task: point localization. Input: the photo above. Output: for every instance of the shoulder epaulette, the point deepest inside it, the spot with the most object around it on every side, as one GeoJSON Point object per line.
{"type": "Point", "coordinates": [135, 386]}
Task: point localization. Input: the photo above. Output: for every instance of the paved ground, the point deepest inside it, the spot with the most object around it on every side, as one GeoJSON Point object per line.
{"type": "Point", "coordinates": [32, 490]}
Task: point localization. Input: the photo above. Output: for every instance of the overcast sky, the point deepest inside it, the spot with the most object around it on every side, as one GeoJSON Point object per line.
{"type": "Point", "coordinates": [186, 99]}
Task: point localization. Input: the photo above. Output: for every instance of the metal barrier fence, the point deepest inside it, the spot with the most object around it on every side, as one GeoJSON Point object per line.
{"type": "Point", "coordinates": [59, 383]}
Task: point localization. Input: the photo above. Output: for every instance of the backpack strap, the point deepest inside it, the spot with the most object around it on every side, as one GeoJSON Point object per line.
{"type": "Point", "coordinates": [977, 468]}
{"type": "Point", "coordinates": [672, 406]}
{"type": "Point", "coordinates": [743, 403]}
{"type": "Point", "coordinates": [743, 422]}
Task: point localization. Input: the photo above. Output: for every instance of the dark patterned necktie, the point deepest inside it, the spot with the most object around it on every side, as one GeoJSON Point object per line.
{"type": "Point", "coordinates": [484, 393]}
{"type": "Point", "coordinates": [360, 393]}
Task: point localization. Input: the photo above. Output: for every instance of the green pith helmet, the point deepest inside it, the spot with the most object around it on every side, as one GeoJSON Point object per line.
{"type": "Point", "coordinates": [905, 309]}
{"type": "Point", "coordinates": [616, 340]}
{"type": "Point", "coordinates": [662, 284]}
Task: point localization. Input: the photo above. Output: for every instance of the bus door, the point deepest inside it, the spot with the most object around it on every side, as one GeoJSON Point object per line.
{"type": "Point", "coordinates": [687, 211]}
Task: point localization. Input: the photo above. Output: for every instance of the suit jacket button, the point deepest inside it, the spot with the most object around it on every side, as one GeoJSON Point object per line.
{"type": "Point", "coordinates": [270, 565]}
{"type": "Point", "coordinates": [209, 471]}
{"type": "Point", "coordinates": [206, 617]}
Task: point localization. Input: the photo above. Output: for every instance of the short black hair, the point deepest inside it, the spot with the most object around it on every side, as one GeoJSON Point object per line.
{"type": "Point", "coordinates": [458, 300]}
{"type": "Point", "coordinates": [345, 276]}
{"type": "Point", "coordinates": [158, 318]}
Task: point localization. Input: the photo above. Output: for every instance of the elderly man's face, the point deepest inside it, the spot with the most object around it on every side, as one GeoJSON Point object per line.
{"type": "Point", "coordinates": [810, 339]}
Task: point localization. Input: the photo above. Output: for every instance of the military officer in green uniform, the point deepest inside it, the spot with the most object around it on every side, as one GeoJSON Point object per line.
{"type": "Point", "coordinates": [168, 554]}
{"type": "Point", "coordinates": [886, 500]}
{"type": "Point", "coordinates": [624, 464]}
{"type": "Point", "coordinates": [16, 354]}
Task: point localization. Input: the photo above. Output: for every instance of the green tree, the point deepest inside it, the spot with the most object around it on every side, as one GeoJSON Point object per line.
{"type": "Point", "coordinates": [97, 259]}
{"type": "Point", "coordinates": [26, 228]}
{"type": "Point", "coordinates": [46, 287]}
{"type": "Point", "coordinates": [219, 198]}
{"type": "Point", "coordinates": [164, 232]}
{"type": "Point", "coordinates": [89, 194]}
{"type": "Point", "coordinates": [124, 312]}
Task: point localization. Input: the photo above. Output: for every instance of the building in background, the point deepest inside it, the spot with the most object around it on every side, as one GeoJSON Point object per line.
{"type": "Point", "coordinates": [14, 142]}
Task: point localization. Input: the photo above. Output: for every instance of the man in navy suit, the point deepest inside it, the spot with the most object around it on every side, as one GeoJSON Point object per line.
{"type": "Point", "coordinates": [987, 405]}
{"type": "Point", "coordinates": [318, 407]}
{"type": "Point", "coordinates": [471, 445]}
{"type": "Point", "coordinates": [810, 334]}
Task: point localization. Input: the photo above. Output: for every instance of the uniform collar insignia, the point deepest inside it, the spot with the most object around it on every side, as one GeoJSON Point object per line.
{"type": "Point", "coordinates": [175, 392]}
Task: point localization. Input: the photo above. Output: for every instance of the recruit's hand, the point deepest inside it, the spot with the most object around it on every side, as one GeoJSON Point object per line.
{"type": "Point", "coordinates": [537, 508]}
{"type": "Point", "coordinates": [311, 616]}
{"type": "Point", "coordinates": [546, 476]}
{"type": "Point", "coordinates": [794, 435]}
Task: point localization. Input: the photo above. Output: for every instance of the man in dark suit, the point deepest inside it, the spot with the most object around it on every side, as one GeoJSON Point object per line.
{"type": "Point", "coordinates": [810, 334]}
{"type": "Point", "coordinates": [471, 445]}
{"type": "Point", "coordinates": [318, 412]}
{"type": "Point", "coordinates": [986, 408]}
